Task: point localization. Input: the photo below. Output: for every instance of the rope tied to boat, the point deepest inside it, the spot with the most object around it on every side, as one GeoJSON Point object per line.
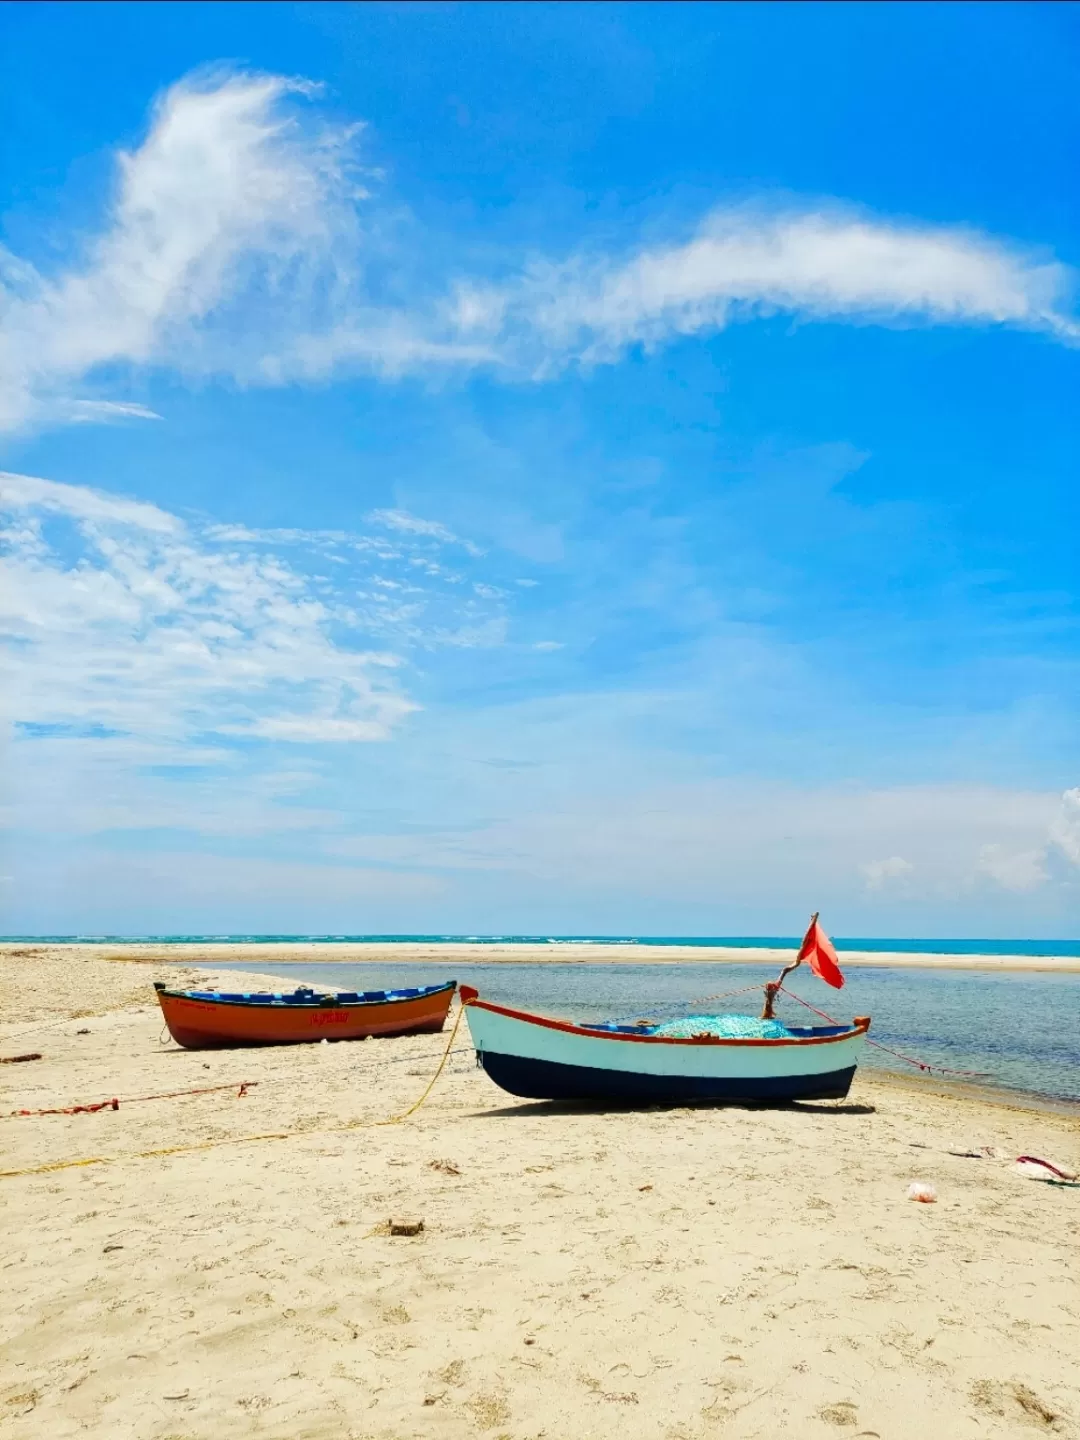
{"type": "Point", "coordinates": [725, 994]}
{"type": "Point", "coordinates": [899, 1054]}
{"type": "Point", "coordinates": [241, 1087]}
{"type": "Point", "coordinates": [112, 1104]}
{"type": "Point", "coordinates": [397, 1119]}
{"type": "Point", "coordinates": [246, 1139]}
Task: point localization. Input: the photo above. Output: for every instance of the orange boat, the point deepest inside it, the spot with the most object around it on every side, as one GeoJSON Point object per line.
{"type": "Point", "coordinates": [207, 1020]}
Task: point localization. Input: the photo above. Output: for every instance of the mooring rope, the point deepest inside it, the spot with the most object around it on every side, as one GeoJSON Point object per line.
{"type": "Point", "coordinates": [240, 1086]}
{"type": "Point", "coordinates": [910, 1059]}
{"type": "Point", "coordinates": [245, 1139]}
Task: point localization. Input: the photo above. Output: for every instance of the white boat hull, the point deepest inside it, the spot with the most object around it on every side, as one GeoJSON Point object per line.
{"type": "Point", "coordinates": [545, 1059]}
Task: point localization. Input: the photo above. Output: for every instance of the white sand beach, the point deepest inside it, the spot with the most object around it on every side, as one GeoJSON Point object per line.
{"type": "Point", "coordinates": [679, 1273]}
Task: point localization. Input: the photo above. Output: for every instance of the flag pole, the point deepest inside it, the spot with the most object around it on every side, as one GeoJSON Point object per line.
{"type": "Point", "coordinates": [772, 987]}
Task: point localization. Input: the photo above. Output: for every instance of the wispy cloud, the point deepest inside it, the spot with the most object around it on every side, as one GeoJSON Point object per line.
{"type": "Point", "coordinates": [1065, 831]}
{"type": "Point", "coordinates": [415, 525]}
{"type": "Point", "coordinates": [246, 240]}
{"type": "Point", "coordinates": [1018, 871]}
{"type": "Point", "coordinates": [237, 193]}
{"type": "Point", "coordinates": [25, 494]}
{"type": "Point", "coordinates": [106, 412]}
{"type": "Point", "coordinates": [120, 618]}
{"type": "Point", "coordinates": [879, 873]}
{"type": "Point", "coordinates": [743, 263]}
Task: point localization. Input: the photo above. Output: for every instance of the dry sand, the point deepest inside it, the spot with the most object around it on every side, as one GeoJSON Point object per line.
{"type": "Point", "coordinates": [676, 1273]}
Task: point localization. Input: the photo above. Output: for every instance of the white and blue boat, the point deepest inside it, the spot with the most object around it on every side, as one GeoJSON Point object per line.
{"type": "Point", "coordinates": [733, 1058]}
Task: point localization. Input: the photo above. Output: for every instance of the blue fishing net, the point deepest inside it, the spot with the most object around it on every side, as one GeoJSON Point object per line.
{"type": "Point", "coordinates": [726, 1027]}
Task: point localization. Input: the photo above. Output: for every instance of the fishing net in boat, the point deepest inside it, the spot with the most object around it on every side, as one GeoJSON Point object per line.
{"type": "Point", "coordinates": [725, 1027]}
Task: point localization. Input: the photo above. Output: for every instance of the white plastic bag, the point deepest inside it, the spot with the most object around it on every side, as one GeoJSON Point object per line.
{"type": "Point", "coordinates": [922, 1191]}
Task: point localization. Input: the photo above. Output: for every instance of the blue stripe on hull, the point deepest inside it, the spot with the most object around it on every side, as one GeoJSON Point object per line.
{"type": "Point", "coordinates": [548, 1080]}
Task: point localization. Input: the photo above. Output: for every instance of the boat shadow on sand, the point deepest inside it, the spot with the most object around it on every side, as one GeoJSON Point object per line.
{"type": "Point", "coordinates": [526, 1108]}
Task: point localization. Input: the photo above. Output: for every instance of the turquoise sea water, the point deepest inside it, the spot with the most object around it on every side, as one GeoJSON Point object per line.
{"type": "Point", "coordinates": [1021, 1030]}
{"type": "Point", "coordinates": [737, 942]}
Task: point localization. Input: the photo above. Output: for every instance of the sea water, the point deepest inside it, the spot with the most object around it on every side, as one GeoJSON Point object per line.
{"type": "Point", "coordinates": [1019, 1031]}
{"type": "Point", "coordinates": [704, 942]}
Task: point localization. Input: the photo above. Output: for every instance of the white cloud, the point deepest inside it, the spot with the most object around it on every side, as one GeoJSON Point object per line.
{"type": "Point", "coordinates": [816, 265]}
{"type": "Point", "coordinates": [245, 241]}
{"type": "Point", "coordinates": [878, 873]}
{"type": "Point", "coordinates": [28, 493]}
{"type": "Point", "coordinates": [1019, 871]}
{"type": "Point", "coordinates": [245, 535]}
{"type": "Point", "coordinates": [126, 619]}
{"type": "Point", "coordinates": [1065, 831]}
{"type": "Point", "coordinates": [104, 412]}
{"type": "Point", "coordinates": [417, 525]}
{"type": "Point", "coordinates": [234, 194]}
{"type": "Point", "coordinates": [1028, 869]}
{"type": "Point", "coordinates": [317, 728]}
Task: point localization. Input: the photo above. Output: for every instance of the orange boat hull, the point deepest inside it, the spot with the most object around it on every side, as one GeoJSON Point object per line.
{"type": "Point", "coordinates": [205, 1024]}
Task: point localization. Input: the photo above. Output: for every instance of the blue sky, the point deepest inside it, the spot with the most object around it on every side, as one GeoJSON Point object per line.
{"type": "Point", "coordinates": [540, 468]}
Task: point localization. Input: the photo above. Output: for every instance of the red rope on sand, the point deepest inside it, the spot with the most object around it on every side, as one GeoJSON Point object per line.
{"type": "Point", "coordinates": [114, 1104]}
{"type": "Point", "coordinates": [908, 1059]}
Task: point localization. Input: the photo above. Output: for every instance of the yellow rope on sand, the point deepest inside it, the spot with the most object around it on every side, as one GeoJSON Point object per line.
{"type": "Point", "coordinates": [397, 1119]}
{"type": "Point", "coordinates": [246, 1139]}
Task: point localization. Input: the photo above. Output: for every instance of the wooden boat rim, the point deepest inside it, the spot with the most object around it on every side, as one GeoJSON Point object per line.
{"type": "Point", "coordinates": [470, 997]}
{"type": "Point", "coordinates": [317, 1002]}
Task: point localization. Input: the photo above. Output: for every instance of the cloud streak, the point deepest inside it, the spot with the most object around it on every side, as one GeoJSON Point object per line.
{"type": "Point", "coordinates": [245, 240]}
{"type": "Point", "coordinates": [742, 264]}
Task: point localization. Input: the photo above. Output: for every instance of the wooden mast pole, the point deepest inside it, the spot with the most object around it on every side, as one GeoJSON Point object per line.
{"type": "Point", "coordinates": [772, 987]}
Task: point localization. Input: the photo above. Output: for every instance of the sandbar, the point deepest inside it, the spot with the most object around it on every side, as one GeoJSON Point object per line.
{"type": "Point", "coordinates": [255, 953]}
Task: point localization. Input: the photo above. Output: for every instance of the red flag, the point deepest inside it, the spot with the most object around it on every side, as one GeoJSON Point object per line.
{"type": "Point", "coordinates": [817, 948]}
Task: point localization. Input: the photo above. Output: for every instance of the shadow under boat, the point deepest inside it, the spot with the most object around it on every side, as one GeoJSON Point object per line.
{"type": "Point", "coordinates": [526, 1108]}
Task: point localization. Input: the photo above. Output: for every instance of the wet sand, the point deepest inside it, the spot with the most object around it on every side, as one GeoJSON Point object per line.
{"type": "Point", "coordinates": [581, 1274]}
